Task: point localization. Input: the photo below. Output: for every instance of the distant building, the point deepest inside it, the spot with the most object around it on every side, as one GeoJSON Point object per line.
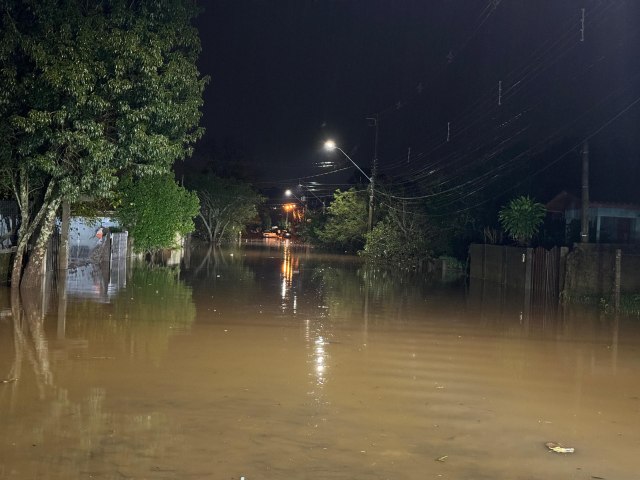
{"type": "Point", "coordinates": [9, 223]}
{"type": "Point", "coordinates": [608, 222]}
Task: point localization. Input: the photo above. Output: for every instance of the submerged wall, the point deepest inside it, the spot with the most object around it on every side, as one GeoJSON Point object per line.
{"type": "Point", "coordinates": [591, 269]}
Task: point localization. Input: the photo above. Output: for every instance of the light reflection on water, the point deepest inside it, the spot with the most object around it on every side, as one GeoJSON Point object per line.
{"type": "Point", "coordinates": [280, 363]}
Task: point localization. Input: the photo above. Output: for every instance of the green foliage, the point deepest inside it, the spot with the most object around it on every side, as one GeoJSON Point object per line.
{"type": "Point", "coordinates": [629, 302]}
{"type": "Point", "coordinates": [522, 218]}
{"type": "Point", "coordinates": [401, 240]}
{"type": "Point", "coordinates": [346, 224]}
{"type": "Point", "coordinates": [94, 208]}
{"type": "Point", "coordinates": [227, 205]}
{"type": "Point", "coordinates": [156, 210]}
{"type": "Point", "coordinates": [309, 230]}
{"type": "Point", "coordinates": [92, 91]}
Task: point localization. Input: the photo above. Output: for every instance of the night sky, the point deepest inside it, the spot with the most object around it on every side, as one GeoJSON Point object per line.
{"type": "Point", "coordinates": [286, 75]}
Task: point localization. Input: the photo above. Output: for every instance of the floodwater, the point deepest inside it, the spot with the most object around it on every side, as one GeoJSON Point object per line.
{"type": "Point", "coordinates": [278, 363]}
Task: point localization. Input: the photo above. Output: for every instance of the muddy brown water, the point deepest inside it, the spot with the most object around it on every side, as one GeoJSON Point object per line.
{"type": "Point", "coordinates": [278, 363]}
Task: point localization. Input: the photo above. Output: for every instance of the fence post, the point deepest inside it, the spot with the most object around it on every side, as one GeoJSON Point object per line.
{"type": "Point", "coordinates": [504, 266]}
{"type": "Point", "coordinates": [528, 275]}
{"type": "Point", "coordinates": [484, 261]}
{"type": "Point", "coordinates": [616, 283]}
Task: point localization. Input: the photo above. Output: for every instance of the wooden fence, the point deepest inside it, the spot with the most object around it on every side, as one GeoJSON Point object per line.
{"type": "Point", "coordinates": [545, 281]}
{"type": "Point", "coordinates": [539, 273]}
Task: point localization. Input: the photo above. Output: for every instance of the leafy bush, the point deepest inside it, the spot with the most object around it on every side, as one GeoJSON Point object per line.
{"type": "Point", "coordinates": [346, 223]}
{"type": "Point", "coordinates": [391, 244]}
{"type": "Point", "coordinates": [522, 218]}
{"type": "Point", "coordinates": [156, 210]}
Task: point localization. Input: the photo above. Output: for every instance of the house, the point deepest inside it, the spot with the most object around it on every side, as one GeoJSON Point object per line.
{"type": "Point", "coordinates": [608, 222]}
{"type": "Point", "coordinates": [9, 223]}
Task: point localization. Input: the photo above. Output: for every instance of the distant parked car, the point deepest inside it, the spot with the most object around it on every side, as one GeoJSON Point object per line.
{"type": "Point", "coordinates": [269, 235]}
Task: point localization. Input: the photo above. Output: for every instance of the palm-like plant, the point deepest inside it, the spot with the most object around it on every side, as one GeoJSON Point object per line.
{"type": "Point", "coordinates": [522, 218]}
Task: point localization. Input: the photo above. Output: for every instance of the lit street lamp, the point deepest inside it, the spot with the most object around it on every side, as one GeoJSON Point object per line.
{"type": "Point", "coordinates": [331, 145]}
{"type": "Point", "coordinates": [287, 208]}
{"type": "Point", "coordinates": [289, 193]}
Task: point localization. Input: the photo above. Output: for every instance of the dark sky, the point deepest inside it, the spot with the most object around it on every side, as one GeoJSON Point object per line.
{"type": "Point", "coordinates": [286, 75]}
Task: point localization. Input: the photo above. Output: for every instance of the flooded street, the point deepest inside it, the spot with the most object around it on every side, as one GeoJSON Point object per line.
{"type": "Point", "coordinates": [278, 363]}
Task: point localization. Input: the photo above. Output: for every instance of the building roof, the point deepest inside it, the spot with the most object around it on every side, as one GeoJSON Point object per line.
{"type": "Point", "coordinates": [565, 201]}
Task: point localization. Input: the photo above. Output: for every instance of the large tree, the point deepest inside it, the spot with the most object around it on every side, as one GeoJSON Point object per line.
{"type": "Point", "coordinates": [404, 239]}
{"type": "Point", "coordinates": [346, 224]}
{"type": "Point", "coordinates": [226, 205]}
{"type": "Point", "coordinates": [90, 91]}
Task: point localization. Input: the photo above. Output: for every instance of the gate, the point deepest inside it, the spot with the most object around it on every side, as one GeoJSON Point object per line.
{"type": "Point", "coordinates": [545, 281]}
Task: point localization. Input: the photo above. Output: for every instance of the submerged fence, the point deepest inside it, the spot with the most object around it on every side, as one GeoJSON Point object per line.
{"type": "Point", "coordinates": [604, 270]}
{"type": "Point", "coordinates": [546, 278]}
{"type": "Point", "coordinates": [538, 272]}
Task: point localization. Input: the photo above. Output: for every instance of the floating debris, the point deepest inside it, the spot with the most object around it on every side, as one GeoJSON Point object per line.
{"type": "Point", "coordinates": [82, 357]}
{"type": "Point", "coordinates": [442, 458]}
{"type": "Point", "coordinates": [559, 448]}
{"type": "Point", "coordinates": [9, 380]}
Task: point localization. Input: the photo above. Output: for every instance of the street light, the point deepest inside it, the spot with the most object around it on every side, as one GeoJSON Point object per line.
{"type": "Point", "coordinates": [289, 193]}
{"type": "Point", "coordinates": [291, 206]}
{"type": "Point", "coordinates": [331, 145]}
{"type": "Point", "coordinates": [287, 208]}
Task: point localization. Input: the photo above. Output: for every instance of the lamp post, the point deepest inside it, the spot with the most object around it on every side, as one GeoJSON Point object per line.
{"type": "Point", "coordinates": [289, 193]}
{"type": "Point", "coordinates": [287, 208]}
{"type": "Point", "coordinates": [331, 145]}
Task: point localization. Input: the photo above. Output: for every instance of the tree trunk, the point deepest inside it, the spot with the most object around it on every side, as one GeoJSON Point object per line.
{"type": "Point", "coordinates": [63, 251]}
{"type": "Point", "coordinates": [216, 233]}
{"type": "Point", "coordinates": [18, 260]}
{"type": "Point", "coordinates": [34, 271]}
{"type": "Point", "coordinates": [207, 225]}
{"type": "Point", "coordinates": [222, 233]}
{"type": "Point", "coordinates": [27, 225]}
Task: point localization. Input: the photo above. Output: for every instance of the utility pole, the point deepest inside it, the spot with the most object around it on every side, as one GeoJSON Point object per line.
{"type": "Point", "coordinates": [584, 231]}
{"type": "Point", "coordinates": [374, 167]}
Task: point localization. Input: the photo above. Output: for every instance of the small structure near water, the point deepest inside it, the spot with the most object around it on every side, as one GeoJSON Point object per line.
{"type": "Point", "coordinates": [610, 223]}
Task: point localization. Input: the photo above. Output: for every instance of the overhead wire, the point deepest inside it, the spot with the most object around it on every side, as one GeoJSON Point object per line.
{"type": "Point", "coordinates": [573, 147]}
{"type": "Point", "coordinates": [429, 168]}
{"type": "Point", "coordinates": [546, 55]}
{"type": "Point", "coordinates": [489, 96]}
